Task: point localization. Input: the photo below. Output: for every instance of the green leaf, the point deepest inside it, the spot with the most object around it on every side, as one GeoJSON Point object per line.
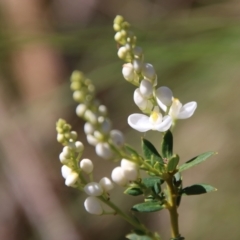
{"type": "Point", "coordinates": [157, 188]}
{"type": "Point", "coordinates": [148, 207]}
{"type": "Point", "coordinates": [167, 144]}
{"type": "Point", "coordinates": [151, 181]}
{"type": "Point", "coordinates": [131, 150]}
{"type": "Point", "coordinates": [150, 152]}
{"type": "Point", "coordinates": [198, 189]}
{"type": "Point", "coordinates": [196, 160]}
{"type": "Point", "coordinates": [133, 191]}
{"type": "Point", "coordinates": [135, 236]}
{"type": "Point", "coordinates": [172, 163]}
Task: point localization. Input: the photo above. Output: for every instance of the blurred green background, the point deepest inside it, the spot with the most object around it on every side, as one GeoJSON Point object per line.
{"type": "Point", "coordinates": [195, 48]}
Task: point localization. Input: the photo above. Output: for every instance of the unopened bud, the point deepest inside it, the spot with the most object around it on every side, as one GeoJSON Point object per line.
{"type": "Point", "coordinates": [86, 165]}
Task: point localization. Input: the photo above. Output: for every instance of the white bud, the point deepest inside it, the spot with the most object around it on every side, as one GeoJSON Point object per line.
{"type": "Point", "coordinates": [80, 110]}
{"type": "Point", "coordinates": [164, 95]}
{"type": "Point", "coordinates": [122, 52]}
{"type": "Point", "coordinates": [62, 158]}
{"type": "Point", "coordinates": [117, 138]}
{"type": "Point", "coordinates": [92, 140]}
{"type": "Point", "coordinates": [148, 71]}
{"type": "Point", "coordinates": [71, 179]}
{"type": "Point", "coordinates": [139, 99]}
{"type": "Point", "coordinates": [106, 184]}
{"type": "Point", "coordinates": [128, 72]}
{"type": "Point", "coordinates": [88, 128]}
{"type": "Point", "coordinates": [86, 165]}
{"type": "Point", "coordinates": [79, 96]}
{"type": "Point", "coordinates": [79, 147]}
{"type": "Point", "coordinates": [66, 171]}
{"type": "Point", "coordinates": [146, 88]}
{"type": "Point", "coordinates": [118, 176]}
{"type": "Point", "coordinates": [128, 164]}
{"type": "Point", "coordinates": [67, 152]}
{"type": "Point", "coordinates": [130, 169]}
{"type": "Point", "coordinates": [105, 126]}
{"type": "Point", "coordinates": [103, 110]}
{"type": "Point", "coordinates": [93, 189]}
{"type": "Point", "coordinates": [98, 135]}
{"type": "Point", "coordinates": [104, 151]}
{"type": "Point", "coordinates": [60, 137]}
{"type": "Point", "coordinates": [73, 135]}
{"type": "Point", "coordinates": [137, 65]}
{"type": "Point", "coordinates": [118, 37]}
{"type": "Point", "coordinates": [93, 206]}
{"type": "Point", "coordinates": [90, 116]}
{"type": "Point", "coordinates": [137, 51]}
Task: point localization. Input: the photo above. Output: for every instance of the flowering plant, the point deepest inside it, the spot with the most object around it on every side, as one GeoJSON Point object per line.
{"type": "Point", "coordinates": [162, 188]}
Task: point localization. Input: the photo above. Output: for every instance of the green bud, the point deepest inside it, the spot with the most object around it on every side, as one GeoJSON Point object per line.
{"type": "Point", "coordinates": [75, 86]}
{"type": "Point", "coordinates": [60, 138]}
{"type": "Point", "coordinates": [67, 127]}
{"type": "Point", "coordinates": [73, 135]}
{"type": "Point", "coordinates": [118, 19]}
{"type": "Point", "coordinates": [77, 76]}
{"type": "Point", "coordinates": [116, 27]}
{"type": "Point", "coordinates": [79, 96]}
{"type": "Point", "coordinates": [118, 36]}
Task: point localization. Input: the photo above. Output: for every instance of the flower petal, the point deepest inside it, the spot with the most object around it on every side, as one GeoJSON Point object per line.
{"type": "Point", "coordinates": [187, 110]}
{"type": "Point", "coordinates": [164, 125]}
{"type": "Point", "coordinates": [139, 122]}
{"type": "Point", "coordinates": [164, 95]}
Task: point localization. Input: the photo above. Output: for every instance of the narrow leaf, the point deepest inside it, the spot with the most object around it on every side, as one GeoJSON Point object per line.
{"type": "Point", "coordinates": [148, 207]}
{"type": "Point", "coordinates": [151, 181]}
{"type": "Point", "coordinates": [198, 189]}
{"type": "Point", "coordinates": [135, 236]}
{"type": "Point", "coordinates": [172, 163]}
{"type": "Point", "coordinates": [157, 188]}
{"type": "Point", "coordinates": [150, 152]}
{"type": "Point", "coordinates": [196, 160]}
{"type": "Point", "coordinates": [133, 191]}
{"type": "Point", "coordinates": [167, 144]}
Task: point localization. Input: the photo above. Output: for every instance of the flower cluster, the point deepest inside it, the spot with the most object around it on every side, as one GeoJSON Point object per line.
{"type": "Point", "coordinates": [98, 126]}
{"type": "Point", "coordinates": [147, 97]}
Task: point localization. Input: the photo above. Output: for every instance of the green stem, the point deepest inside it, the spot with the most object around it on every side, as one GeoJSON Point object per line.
{"type": "Point", "coordinates": [172, 207]}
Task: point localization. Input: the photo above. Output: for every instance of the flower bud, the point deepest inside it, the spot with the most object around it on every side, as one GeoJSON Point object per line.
{"type": "Point", "coordinates": [88, 128]}
{"type": "Point", "coordinates": [93, 206]}
{"type": "Point", "coordinates": [98, 135]}
{"type": "Point", "coordinates": [102, 110]}
{"type": "Point", "coordinates": [79, 147]}
{"type": "Point", "coordinates": [71, 179]}
{"type": "Point", "coordinates": [137, 51]}
{"type": "Point", "coordinates": [130, 169]}
{"type": "Point", "coordinates": [118, 36]}
{"type": "Point", "coordinates": [118, 176]}
{"type": "Point", "coordinates": [60, 138]}
{"type": "Point", "coordinates": [92, 140]}
{"type": "Point", "coordinates": [137, 65]}
{"type": "Point", "coordinates": [122, 52]}
{"type": "Point", "coordinates": [148, 71]}
{"type": "Point", "coordinates": [104, 151]}
{"type": "Point", "coordinates": [90, 116]}
{"type": "Point", "coordinates": [139, 100]}
{"type": "Point", "coordinates": [106, 184]}
{"type": "Point", "coordinates": [93, 189]}
{"type": "Point", "coordinates": [116, 27]}
{"type": "Point", "coordinates": [62, 158]}
{"type": "Point", "coordinates": [81, 109]}
{"type": "Point", "coordinates": [86, 165]}
{"type": "Point", "coordinates": [67, 152]}
{"type": "Point", "coordinates": [105, 125]}
{"type": "Point", "coordinates": [146, 88]}
{"type": "Point", "coordinates": [66, 171]}
{"type": "Point", "coordinates": [164, 95]}
{"type": "Point", "coordinates": [73, 135]}
{"type": "Point", "coordinates": [128, 72]}
{"type": "Point", "coordinates": [128, 164]}
{"type": "Point", "coordinates": [118, 19]}
{"type": "Point", "coordinates": [79, 96]}
{"type": "Point", "coordinates": [117, 138]}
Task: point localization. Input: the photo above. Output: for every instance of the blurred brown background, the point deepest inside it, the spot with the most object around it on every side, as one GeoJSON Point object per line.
{"type": "Point", "coordinates": [195, 48]}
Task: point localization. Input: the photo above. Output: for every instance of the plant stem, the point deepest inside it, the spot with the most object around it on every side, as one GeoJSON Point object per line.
{"type": "Point", "coordinates": [172, 207]}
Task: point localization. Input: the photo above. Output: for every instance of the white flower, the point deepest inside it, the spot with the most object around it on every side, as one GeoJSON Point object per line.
{"type": "Point", "coordinates": [164, 96]}
{"type": "Point", "coordinates": [142, 102]}
{"type": "Point", "coordinates": [93, 189]}
{"type": "Point", "coordinates": [93, 206]}
{"type": "Point", "coordinates": [146, 88]}
{"type": "Point", "coordinates": [118, 176]}
{"type": "Point", "coordinates": [103, 150]}
{"type": "Point", "coordinates": [71, 179]}
{"type": "Point", "coordinates": [144, 123]}
{"type": "Point", "coordinates": [86, 165]}
{"type": "Point", "coordinates": [106, 184]}
{"type": "Point", "coordinates": [117, 138]}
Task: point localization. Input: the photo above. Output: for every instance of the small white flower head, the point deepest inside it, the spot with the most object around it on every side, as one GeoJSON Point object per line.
{"type": "Point", "coordinates": [122, 52]}
{"type": "Point", "coordinates": [79, 146]}
{"type": "Point", "coordinates": [90, 116]}
{"type": "Point", "coordinates": [179, 111]}
{"type": "Point", "coordinates": [117, 138]}
{"type": "Point", "coordinates": [104, 151]}
{"type": "Point", "coordinates": [86, 165]}
{"type": "Point", "coordinates": [106, 184]}
{"type": "Point", "coordinates": [92, 140]}
{"type": "Point", "coordinates": [93, 206]}
{"type": "Point", "coordinates": [143, 123]}
{"type": "Point", "coordinates": [93, 189]}
{"type": "Point", "coordinates": [164, 96]}
{"type": "Point", "coordinates": [119, 177]}
{"type": "Point", "coordinates": [81, 109]}
{"type": "Point", "coordinates": [88, 128]}
{"type": "Point", "coordinates": [66, 171]}
{"type": "Point", "coordinates": [71, 179]}
{"type": "Point", "coordinates": [128, 72]}
{"type": "Point", "coordinates": [148, 71]}
{"type": "Point", "coordinates": [146, 88]}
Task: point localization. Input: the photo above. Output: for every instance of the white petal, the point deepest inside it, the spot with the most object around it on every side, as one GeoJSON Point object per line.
{"type": "Point", "coordinates": [93, 189]}
{"type": "Point", "coordinates": [187, 110]}
{"type": "Point", "coordinates": [164, 96]}
{"type": "Point", "coordinates": [139, 100]}
{"type": "Point", "coordinates": [93, 206]}
{"type": "Point", "coordinates": [139, 122]}
{"type": "Point", "coordinates": [165, 124]}
{"type": "Point", "coordinates": [106, 184]}
{"type": "Point", "coordinates": [146, 88]}
{"type": "Point", "coordinates": [71, 179]}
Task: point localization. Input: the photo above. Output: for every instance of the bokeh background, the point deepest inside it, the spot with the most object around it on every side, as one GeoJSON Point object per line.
{"type": "Point", "coordinates": [194, 46]}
